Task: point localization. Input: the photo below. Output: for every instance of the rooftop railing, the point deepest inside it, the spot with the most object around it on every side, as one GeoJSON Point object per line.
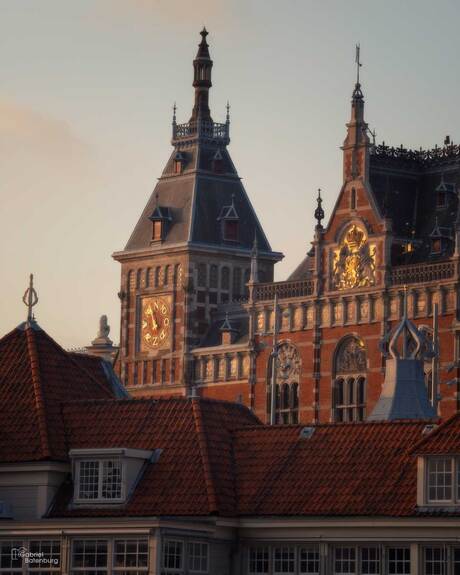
{"type": "Point", "coordinates": [419, 273]}
{"type": "Point", "coordinates": [284, 290]}
{"type": "Point", "coordinates": [202, 129]}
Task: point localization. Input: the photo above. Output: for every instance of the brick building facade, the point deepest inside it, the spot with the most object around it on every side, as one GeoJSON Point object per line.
{"type": "Point", "coordinates": [197, 291]}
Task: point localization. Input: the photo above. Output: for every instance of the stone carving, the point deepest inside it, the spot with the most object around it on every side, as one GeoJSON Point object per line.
{"type": "Point", "coordinates": [351, 357]}
{"type": "Point", "coordinates": [354, 261]}
{"type": "Point", "coordinates": [288, 363]}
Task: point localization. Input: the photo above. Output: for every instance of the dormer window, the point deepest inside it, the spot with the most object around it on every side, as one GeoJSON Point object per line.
{"type": "Point", "coordinates": [439, 481]}
{"type": "Point", "coordinates": [230, 223]}
{"type": "Point", "coordinates": [161, 220]}
{"type": "Point", "coordinates": [99, 480]}
{"type": "Point", "coordinates": [178, 163]}
{"type": "Point", "coordinates": [442, 192]}
{"type": "Point", "coordinates": [217, 162]}
{"type": "Point", "coordinates": [104, 476]}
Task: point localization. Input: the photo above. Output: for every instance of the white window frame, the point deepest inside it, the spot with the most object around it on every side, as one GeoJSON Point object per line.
{"type": "Point", "coordinates": [189, 555]}
{"type": "Point", "coordinates": [76, 570]}
{"type": "Point", "coordinates": [455, 481]}
{"type": "Point", "coordinates": [26, 544]}
{"type": "Point", "coordinates": [264, 548]}
{"type": "Point", "coordinates": [99, 498]}
{"type": "Point", "coordinates": [180, 569]}
{"type": "Point", "coordinates": [127, 569]}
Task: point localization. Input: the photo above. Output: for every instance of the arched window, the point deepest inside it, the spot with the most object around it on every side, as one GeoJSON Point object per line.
{"type": "Point", "coordinates": [139, 279]}
{"type": "Point", "coordinates": [148, 277]}
{"type": "Point", "coordinates": [349, 385]}
{"type": "Point", "coordinates": [287, 386]}
{"type": "Point", "coordinates": [157, 276]}
{"type": "Point", "coordinates": [166, 278]}
{"type": "Point", "coordinates": [225, 278]}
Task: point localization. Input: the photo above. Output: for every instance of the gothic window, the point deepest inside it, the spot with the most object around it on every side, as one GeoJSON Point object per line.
{"type": "Point", "coordinates": [213, 276]}
{"type": "Point", "coordinates": [287, 384]}
{"type": "Point", "coordinates": [148, 277]}
{"type": "Point", "coordinates": [349, 386]}
{"type": "Point", "coordinates": [231, 230]}
{"type": "Point", "coordinates": [225, 278]}
{"type": "Point", "coordinates": [236, 283]}
{"type": "Point", "coordinates": [202, 275]}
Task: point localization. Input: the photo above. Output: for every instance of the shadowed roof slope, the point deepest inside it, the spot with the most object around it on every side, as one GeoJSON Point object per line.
{"type": "Point", "coordinates": [36, 376]}
{"type": "Point", "coordinates": [342, 469]}
{"type": "Point", "coordinates": [195, 473]}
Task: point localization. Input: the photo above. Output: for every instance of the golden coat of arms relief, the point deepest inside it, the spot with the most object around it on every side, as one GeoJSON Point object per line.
{"type": "Point", "coordinates": [353, 261]}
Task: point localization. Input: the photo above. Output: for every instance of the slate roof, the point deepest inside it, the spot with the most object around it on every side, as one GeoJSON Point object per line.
{"type": "Point", "coordinates": [36, 376]}
{"type": "Point", "coordinates": [406, 192]}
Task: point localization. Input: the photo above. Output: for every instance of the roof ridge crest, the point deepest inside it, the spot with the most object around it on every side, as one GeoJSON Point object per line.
{"type": "Point", "coordinates": [38, 391]}
{"type": "Point", "coordinates": [204, 453]}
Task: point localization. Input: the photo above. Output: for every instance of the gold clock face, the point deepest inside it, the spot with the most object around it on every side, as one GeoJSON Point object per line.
{"type": "Point", "coordinates": [155, 322]}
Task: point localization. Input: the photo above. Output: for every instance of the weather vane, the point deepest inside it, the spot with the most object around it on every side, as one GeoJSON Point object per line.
{"type": "Point", "coordinates": [358, 62]}
{"type": "Point", "coordinates": [30, 298]}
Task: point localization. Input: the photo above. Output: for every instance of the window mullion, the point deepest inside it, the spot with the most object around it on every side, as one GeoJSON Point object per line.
{"type": "Point", "coordinates": [99, 482]}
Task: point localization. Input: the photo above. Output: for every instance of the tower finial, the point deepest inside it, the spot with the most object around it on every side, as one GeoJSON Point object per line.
{"type": "Point", "coordinates": [358, 62]}
{"type": "Point", "coordinates": [202, 66]}
{"type": "Point", "coordinates": [227, 118]}
{"type": "Point", "coordinates": [319, 212]}
{"type": "Point", "coordinates": [174, 113]}
{"type": "Point", "coordinates": [30, 299]}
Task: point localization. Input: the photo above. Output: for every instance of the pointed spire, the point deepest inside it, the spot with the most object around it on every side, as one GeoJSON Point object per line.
{"type": "Point", "coordinates": [30, 299]}
{"type": "Point", "coordinates": [174, 114]}
{"type": "Point", "coordinates": [202, 66]}
{"type": "Point", "coordinates": [227, 117]}
{"type": "Point", "coordinates": [319, 212]}
{"type": "Point", "coordinates": [356, 164]}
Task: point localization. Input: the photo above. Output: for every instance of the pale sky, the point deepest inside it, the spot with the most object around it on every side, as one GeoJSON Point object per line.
{"type": "Point", "coordinates": [87, 88]}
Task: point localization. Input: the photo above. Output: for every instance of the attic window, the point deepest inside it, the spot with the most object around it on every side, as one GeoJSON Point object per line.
{"type": "Point", "coordinates": [436, 246]}
{"type": "Point", "coordinates": [157, 230]}
{"type": "Point", "coordinates": [442, 480]}
{"type": "Point", "coordinates": [217, 162]}
{"type": "Point", "coordinates": [99, 480]}
{"type": "Point", "coordinates": [231, 230]}
{"type": "Point", "coordinates": [107, 475]}
{"type": "Point", "coordinates": [179, 163]}
{"type": "Point", "coordinates": [441, 200]}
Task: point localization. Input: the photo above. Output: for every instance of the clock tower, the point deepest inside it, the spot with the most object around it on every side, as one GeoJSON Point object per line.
{"type": "Point", "coordinates": [189, 256]}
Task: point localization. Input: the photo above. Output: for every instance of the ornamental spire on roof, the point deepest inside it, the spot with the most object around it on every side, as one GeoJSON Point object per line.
{"type": "Point", "coordinates": [404, 394]}
{"type": "Point", "coordinates": [30, 299]}
{"type": "Point", "coordinates": [202, 66]}
{"type": "Point", "coordinates": [356, 144]}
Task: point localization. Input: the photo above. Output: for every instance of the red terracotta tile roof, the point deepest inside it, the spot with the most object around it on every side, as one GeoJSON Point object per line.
{"type": "Point", "coordinates": [218, 459]}
{"type": "Point", "coordinates": [343, 469]}
{"type": "Point", "coordinates": [100, 370]}
{"type": "Point", "coordinates": [36, 376]}
{"type": "Point", "coordinates": [195, 471]}
{"type": "Point", "coordinates": [443, 439]}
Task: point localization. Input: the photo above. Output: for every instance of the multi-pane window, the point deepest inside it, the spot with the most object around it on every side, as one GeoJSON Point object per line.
{"type": "Point", "coordinates": [237, 282]}
{"type": "Point", "coordinates": [283, 560]}
{"type": "Point", "coordinates": [11, 556]}
{"type": "Point", "coordinates": [225, 278]}
{"type": "Point", "coordinates": [440, 478]}
{"type": "Point", "coordinates": [202, 275]}
{"type": "Point", "coordinates": [89, 557]}
{"type": "Point", "coordinates": [100, 480]}
{"type": "Point", "coordinates": [309, 560]}
{"type": "Point", "coordinates": [198, 553]}
{"type": "Point", "coordinates": [344, 560]}
{"type": "Point", "coordinates": [286, 403]}
{"type": "Point", "coordinates": [130, 556]}
{"type": "Point", "coordinates": [398, 562]}
{"type": "Point", "coordinates": [369, 560]}
{"type": "Point", "coordinates": [213, 276]}
{"type": "Point", "coordinates": [173, 556]}
{"type": "Point", "coordinates": [456, 561]}
{"type": "Point", "coordinates": [349, 399]}
{"type": "Point", "coordinates": [259, 560]}
{"type": "Point", "coordinates": [434, 561]}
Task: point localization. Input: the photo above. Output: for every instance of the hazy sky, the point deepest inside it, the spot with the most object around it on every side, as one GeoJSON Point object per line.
{"type": "Point", "coordinates": [87, 88]}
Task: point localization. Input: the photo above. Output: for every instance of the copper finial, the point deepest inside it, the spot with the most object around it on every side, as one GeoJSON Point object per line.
{"type": "Point", "coordinates": [30, 299]}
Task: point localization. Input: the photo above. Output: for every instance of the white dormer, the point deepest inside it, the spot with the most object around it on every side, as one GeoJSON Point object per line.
{"type": "Point", "coordinates": [104, 476]}
{"type": "Point", "coordinates": [438, 481]}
